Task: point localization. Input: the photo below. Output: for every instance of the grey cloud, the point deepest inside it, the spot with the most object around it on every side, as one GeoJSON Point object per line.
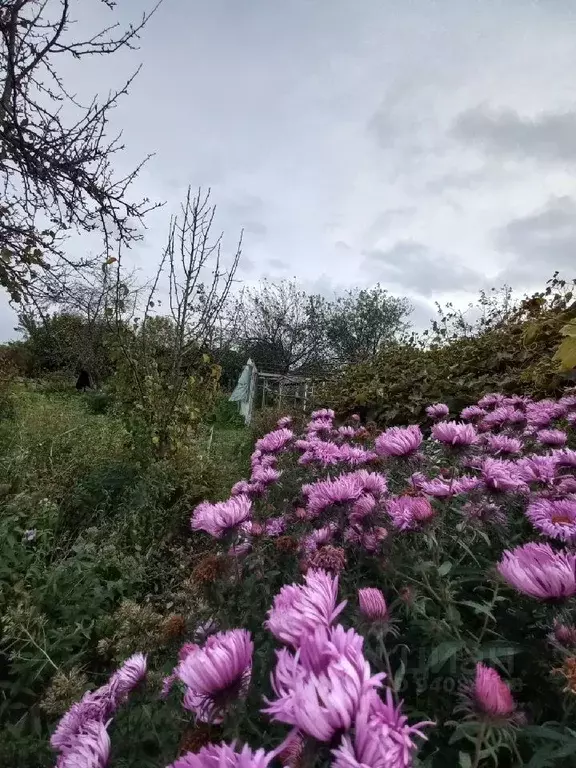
{"type": "Point", "coordinates": [341, 247]}
{"type": "Point", "coordinates": [255, 228]}
{"type": "Point", "coordinates": [415, 267]}
{"type": "Point", "coordinates": [547, 136]}
{"type": "Point", "coordinates": [541, 242]}
{"type": "Point", "coordinates": [245, 205]}
{"type": "Point", "coordinates": [246, 265]}
{"type": "Point", "coordinates": [463, 180]}
{"type": "Point", "coordinates": [277, 264]}
{"type": "Point", "coordinates": [387, 219]}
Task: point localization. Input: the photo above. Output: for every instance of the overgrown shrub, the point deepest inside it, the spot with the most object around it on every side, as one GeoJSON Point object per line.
{"type": "Point", "coordinates": [510, 349]}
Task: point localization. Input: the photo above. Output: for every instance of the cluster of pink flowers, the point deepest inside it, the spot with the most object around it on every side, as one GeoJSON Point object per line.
{"type": "Point", "coordinates": [323, 684]}
{"type": "Point", "coordinates": [502, 446]}
{"type": "Point", "coordinates": [359, 493]}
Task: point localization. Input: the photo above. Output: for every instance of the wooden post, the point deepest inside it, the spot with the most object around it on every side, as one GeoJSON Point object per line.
{"type": "Point", "coordinates": [251, 394]}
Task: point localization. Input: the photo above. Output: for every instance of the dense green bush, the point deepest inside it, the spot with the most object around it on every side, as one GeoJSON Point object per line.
{"type": "Point", "coordinates": [510, 349]}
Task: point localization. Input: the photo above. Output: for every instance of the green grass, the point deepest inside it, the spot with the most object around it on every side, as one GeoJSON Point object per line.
{"type": "Point", "coordinates": [109, 526]}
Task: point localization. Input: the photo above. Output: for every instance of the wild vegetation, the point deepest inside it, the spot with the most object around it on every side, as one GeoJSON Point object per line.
{"type": "Point", "coordinates": [387, 598]}
{"type": "Point", "coordinates": [371, 594]}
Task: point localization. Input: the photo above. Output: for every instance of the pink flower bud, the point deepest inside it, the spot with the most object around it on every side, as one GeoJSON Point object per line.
{"type": "Point", "coordinates": [372, 604]}
{"type": "Point", "coordinates": [491, 694]}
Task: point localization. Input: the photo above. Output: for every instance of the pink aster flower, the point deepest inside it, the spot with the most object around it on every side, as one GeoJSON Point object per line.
{"type": "Point", "coordinates": [537, 469]}
{"type": "Point", "coordinates": [319, 689]}
{"type": "Point", "coordinates": [319, 426]}
{"type": "Point", "coordinates": [541, 413]}
{"type": "Point", "coordinates": [554, 517]}
{"type": "Point", "coordinates": [503, 415]}
{"type": "Point", "coordinates": [372, 539]}
{"type": "Point", "coordinates": [265, 475]}
{"type": "Point", "coordinates": [502, 444]}
{"type": "Point", "coordinates": [437, 411]}
{"type": "Point", "coordinates": [322, 452]}
{"type": "Point", "coordinates": [299, 608]}
{"type": "Point", "coordinates": [326, 493]}
{"type": "Point", "coordinates": [383, 737]}
{"type": "Point", "coordinates": [500, 475]}
{"type": "Point", "coordinates": [318, 537]}
{"type": "Point", "coordinates": [491, 694]}
{"type": "Point", "coordinates": [127, 677]}
{"type": "Point", "coordinates": [566, 485]}
{"type": "Point", "coordinates": [276, 441]}
{"type": "Point", "coordinates": [252, 528]}
{"type": "Point", "coordinates": [352, 535]}
{"type": "Point", "coordinates": [539, 571]}
{"type": "Point", "coordinates": [284, 422]}
{"type": "Point", "coordinates": [324, 413]}
{"type": "Point", "coordinates": [491, 400]}
{"type": "Point", "coordinates": [217, 519]}
{"type": "Point", "coordinates": [94, 706]}
{"type": "Point", "coordinates": [455, 434]}
{"type": "Point", "coordinates": [472, 413]}
{"type": "Point", "coordinates": [564, 634]}
{"type": "Point", "coordinates": [399, 441]}
{"type": "Point", "coordinates": [240, 549]}
{"type": "Point", "coordinates": [347, 431]}
{"type": "Point", "coordinates": [241, 488]}
{"type": "Point", "coordinates": [407, 511]}
{"type": "Point", "coordinates": [565, 458]}
{"type": "Point", "coordinates": [275, 526]}
{"type": "Point", "coordinates": [80, 736]}
{"type": "Point", "coordinates": [90, 748]}
{"type": "Point", "coordinates": [167, 685]}
{"type": "Point", "coordinates": [554, 437]}
{"type": "Point", "coordinates": [442, 488]}
{"type": "Point", "coordinates": [355, 456]}
{"type": "Point", "coordinates": [216, 673]}
{"type": "Point", "coordinates": [224, 756]}
{"type": "Point", "coordinates": [372, 604]}
{"type": "Point", "coordinates": [372, 482]}
{"type": "Point", "coordinates": [364, 506]}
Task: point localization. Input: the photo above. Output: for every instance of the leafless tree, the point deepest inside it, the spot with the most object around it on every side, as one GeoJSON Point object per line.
{"type": "Point", "coordinates": [56, 156]}
{"type": "Point", "coordinates": [166, 363]}
{"type": "Point", "coordinates": [282, 327]}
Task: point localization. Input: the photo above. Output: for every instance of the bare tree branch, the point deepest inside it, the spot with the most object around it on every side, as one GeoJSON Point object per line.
{"type": "Point", "coordinates": [56, 173]}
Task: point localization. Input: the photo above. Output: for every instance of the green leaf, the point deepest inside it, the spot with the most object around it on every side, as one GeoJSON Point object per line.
{"type": "Point", "coordinates": [445, 568]}
{"type": "Point", "coordinates": [399, 677]}
{"type": "Point", "coordinates": [566, 354]}
{"type": "Point", "coordinates": [464, 760]}
{"type": "Point", "coordinates": [477, 607]}
{"type": "Point", "coordinates": [443, 652]}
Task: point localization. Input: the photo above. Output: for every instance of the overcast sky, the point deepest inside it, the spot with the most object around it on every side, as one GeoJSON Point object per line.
{"type": "Point", "coordinates": [428, 146]}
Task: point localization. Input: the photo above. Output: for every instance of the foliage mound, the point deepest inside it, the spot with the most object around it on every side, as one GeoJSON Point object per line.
{"type": "Point", "coordinates": [510, 349]}
{"type": "Point", "coordinates": [430, 621]}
